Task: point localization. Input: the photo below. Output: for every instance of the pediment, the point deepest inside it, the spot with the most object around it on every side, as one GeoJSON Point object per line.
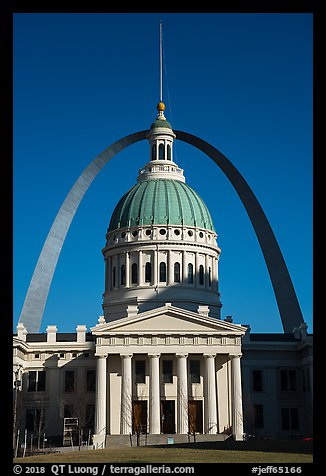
{"type": "Point", "coordinates": [168, 320]}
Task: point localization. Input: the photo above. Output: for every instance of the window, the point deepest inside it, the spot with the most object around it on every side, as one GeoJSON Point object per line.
{"type": "Point", "coordinates": [123, 275]}
{"type": "Point", "coordinates": [35, 420]}
{"type": "Point", "coordinates": [90, 418]}
{"type": "Point", "coordinates": [168, 148]}
{"type": "Point", "coordinates": [68, 411]}
{"type": "Point", "coordinates": [190, 273]}
{"type": "Point", "coordinates": [306, 379]}
{"type": "Point", "coordinates": [69, 381]}
{"type": "Point", "coordinates": [290, 418]}
{"type": "Point", "coordinates": [162, 272]}
{"type": "Point", "coordinates": [90, 380]}
{"type": "Point", "coordinates": [134, 273]}
{"type": "Point", "coordinates": [113, 277]}
{"type": "Point", "coordinates": [257, 381]}
{"type": "Point", "coordinates": [209, 277]}
{"type": "Point", "coordinates": [153, 151]}
{"type": "Point", "coordinates": [148, 272]}
{"type": "Point", "coordinates": [167, 371]}
{"type": "Point", "coordinates": [140, 371]}
{"type": "Point", "coordinates": [177, 272]}
{"type": "Point", "coordinates": [161, 152]}
{"type": "Point", "coordinates": [288, 380]}
{"type": "Point", "coordinates": [36, 381]}
{"type": "Point", "coordinates": [201, 274]}
{"type": "Point", "coordinates": [194, 371]}
{"type": "Point", "coordinates": [259, 416]}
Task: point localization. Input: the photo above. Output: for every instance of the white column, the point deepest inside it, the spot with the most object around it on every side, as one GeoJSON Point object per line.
{"type": "Point", "coordinates": [100, 402]}
{"type": "Point", "coordinates": [154, 395]}
{"type": "Point", "coordinates": [184, 279]}
{"type": "Point", "coordinates": [182, 394]}
{"type": "Point", "coordinates": [196, 271]}
{"type": "Point", "coordinates": [237, 416]}
{"type": "Point", "coordinates": [170, 269]}
{"type": "Point", "coordinates": [126, 395]}
{"type": "Point", "coordinates": [206, 272]}
{"type": "Point", "coordinates": [127, 269]}
{"type": "Point", "coordinates": [215, 274]}
{"type": "Point", "coordinates": [210, 396]}
{"type": "Point", "coordinates": [155, 268]}
{"type": "Point", "coordinates": [140, 269]}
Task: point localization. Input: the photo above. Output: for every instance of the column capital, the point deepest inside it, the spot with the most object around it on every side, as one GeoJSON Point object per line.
{"type": "Point", "coordinates": [125, 356]}
{"type": "Point", "coordinates": [207, 356]}
{"type": "Point", "coordinates": [235, 356]}
{"type": "Point", "coordinates": [103, 356]}
{"type": "Point", "coordinates": [155, 354]}
{"type": "Point", "coordinates": [182, 355]}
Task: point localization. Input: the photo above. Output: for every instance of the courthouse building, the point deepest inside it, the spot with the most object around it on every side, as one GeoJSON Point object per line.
{"type": "Point", "coordinates": [161, 361]}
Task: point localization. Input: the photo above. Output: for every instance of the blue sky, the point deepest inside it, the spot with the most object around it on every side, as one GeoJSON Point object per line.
{"type": "Point", "coordinates": [242, 82]}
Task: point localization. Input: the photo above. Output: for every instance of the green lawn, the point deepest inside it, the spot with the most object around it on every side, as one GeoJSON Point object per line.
{"type": "Point", "coordinates": [169, 455]}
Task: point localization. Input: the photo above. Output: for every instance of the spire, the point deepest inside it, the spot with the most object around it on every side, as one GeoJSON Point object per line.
{"type": "Point", "coordinates": [161, 65]}
{"type": "Point", "coordinates": [161, 105]}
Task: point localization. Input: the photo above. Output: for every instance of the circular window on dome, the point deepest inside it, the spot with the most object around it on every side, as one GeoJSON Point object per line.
{"type": "Point", "coordinates": [177, 232]}
{"type": "Point", "coordinates": [201, 234]}
{"type": "Point", "coordinates": [148, 232]}
{"type": "Point", "coordinates": [190, 233]}
{"type": "Point", "coordinates": [135, 233]}
{"type": "Point", "coordinates": [162, 231]}
{"type": "Point", "coordinates": [123, 234]}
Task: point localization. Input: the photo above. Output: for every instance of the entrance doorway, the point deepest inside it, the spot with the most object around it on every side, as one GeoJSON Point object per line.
{"type": "Point", "coordinates": [195, 416]}
{"type": "Point", "coordinates": [167, 416]}
{"type": "Point", "coordinates": [139, 416]}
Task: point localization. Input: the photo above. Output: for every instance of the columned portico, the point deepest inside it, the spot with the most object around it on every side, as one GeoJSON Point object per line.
{"type": "Point", "coordinates": [126, 395]}
{"type": "Point", "coordinates": [154, 395]}
{"type": "Point", "coordinates": [161, 342]}
{"type": "Point", "coordinates": [182, 394]}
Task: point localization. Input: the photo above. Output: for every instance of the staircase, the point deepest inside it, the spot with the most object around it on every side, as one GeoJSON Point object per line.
{"type": "Point", "coordinates": [163, 439]}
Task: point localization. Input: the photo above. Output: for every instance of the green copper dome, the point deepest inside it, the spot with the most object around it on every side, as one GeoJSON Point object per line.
{"type": "Point", "coordinates": [161, 123]}
{"type": "Point", "coordinates": [161, 202]}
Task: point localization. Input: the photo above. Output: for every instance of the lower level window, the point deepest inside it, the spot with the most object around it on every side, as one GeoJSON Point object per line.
{"type": "Point", "coordinates": [35, 420]}
{"type": "Point", "coordinates": [290, 418]}
{"type": "Point", "coordinates": [259, 416]}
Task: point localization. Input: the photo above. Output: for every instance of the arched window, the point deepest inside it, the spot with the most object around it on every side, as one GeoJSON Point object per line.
{"type": "Point", "coordinates": [209, 276]}
{"type": "Point", "coordinates": [201, 274]}
{"type": "Point", "coordinates": [113, 277]}
{"type": "Point", "coordinates": [134, 273]}
{"type": "Point", "coordinates": [190, 273]}
{"type": "Point", "coordinates": [168, 149]}
{"type": "Point", "coordinates": [162, 272]}
{"type": "Point", "coordinates": [122, 275]}
{"type": "Point", "coordinates": [161, 151]}
{"type": "Point", "coordinates": [148, 273]}
{"type": "Point", "coordinates": [154, 152]}
{"type": "Point", "coordinates": [177, 272]}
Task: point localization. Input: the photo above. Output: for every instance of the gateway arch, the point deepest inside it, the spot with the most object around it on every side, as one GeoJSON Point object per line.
{"type": "Point", "coordinates": [36, 297]}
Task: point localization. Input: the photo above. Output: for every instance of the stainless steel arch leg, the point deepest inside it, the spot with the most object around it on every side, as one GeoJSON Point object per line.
{"type": "Point", "coordinates": [36, 297]}
{"type": "Point", "coordinates": [286, 297]}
